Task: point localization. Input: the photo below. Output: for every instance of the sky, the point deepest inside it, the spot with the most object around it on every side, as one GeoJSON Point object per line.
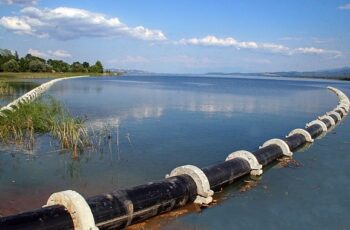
{"type": "Point", "coordinates": [182, 36]}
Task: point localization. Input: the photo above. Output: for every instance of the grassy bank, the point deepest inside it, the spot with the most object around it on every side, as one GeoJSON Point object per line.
{"type": "Point", "coordinates": [51, 75]}
{"type": "Point", "coordinates": [40, 117]}
{"type": "Point", "coordinates": [42, 75]}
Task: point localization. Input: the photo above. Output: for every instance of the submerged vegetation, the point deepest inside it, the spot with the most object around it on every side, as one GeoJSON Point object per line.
{"type": "Point", "coordinates": [41, 117]}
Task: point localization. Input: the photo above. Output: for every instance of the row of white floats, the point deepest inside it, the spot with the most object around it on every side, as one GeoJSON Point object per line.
{"type": "Point", "coordinates": [204, 193]}
{"type": "Point", "coordinates": [81, 213]}
{"type": "Point", "coordinates": [31, 95]}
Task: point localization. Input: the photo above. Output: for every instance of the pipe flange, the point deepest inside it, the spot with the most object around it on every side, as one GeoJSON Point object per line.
{"type": "Point", "coordinates": [281, 143]}
{"type": "Point", "coordinates": [303, 132]}
{"type": "Point", "coordinates": [335, 114]}
{"type": "Point", "coordinates": [341, 109]}
{"type": "Point", "coordinates": [345, 108]}
{"type": "Point", "coordinates": [77, 207]}
{"type": "Point", "coordinates": [204, 193]}
{"type": "Point", "coordinates": [329, 118]}
{"type": "Point", "coordinates": [255, 166]}
{"type": "Point", "coordinates": [341, 96]}
{"type": "Point", "coordinates": [318, 122]}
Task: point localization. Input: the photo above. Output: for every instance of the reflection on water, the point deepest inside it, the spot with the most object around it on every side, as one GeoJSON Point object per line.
{"type": "Point", "coordinates": [147, 125]}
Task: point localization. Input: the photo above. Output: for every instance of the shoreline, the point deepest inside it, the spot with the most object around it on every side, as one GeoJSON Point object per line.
{"type": "Point", "coordinates": [30, 75]}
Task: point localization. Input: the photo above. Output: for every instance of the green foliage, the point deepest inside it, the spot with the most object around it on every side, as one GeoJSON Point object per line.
{"type": "Point", "coordinates": [23, 64]}
{"type": "Point", "coordinates": [5, 56]}
{"type": "Point", "coordinates": [59, 65]}
{"type": "Point", "coordinates": [86, 65]}
{"type": "Point", "coordinates": [11, 66]}
{"type": "Point", "coordinates": [37, 66]}
{"type": "Point", "coordinates": [40, 117]}
{"type": "Point", "coordinates": [30, 63]}
{"type": "Point", "coordinates": [77, 67]}
{"type": "Point", "coordinates": [97, 68]}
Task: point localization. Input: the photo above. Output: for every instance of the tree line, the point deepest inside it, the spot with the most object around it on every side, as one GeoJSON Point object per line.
{"type": "Point", "coordinates": [11, 62]}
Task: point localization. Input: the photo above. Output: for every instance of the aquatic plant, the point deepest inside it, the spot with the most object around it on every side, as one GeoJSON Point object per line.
{"type": "Point", "coordinates": [70, 132]}
{"type": "Point", "coordinates": [6, 89]}
{"type": "Point", "coordinates": [21, 125]}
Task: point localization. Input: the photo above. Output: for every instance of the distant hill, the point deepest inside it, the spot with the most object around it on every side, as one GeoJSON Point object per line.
{"type": "Point", "coordinates": [339, 73]}
{"type": "Point", "coordinates": [128, 71]}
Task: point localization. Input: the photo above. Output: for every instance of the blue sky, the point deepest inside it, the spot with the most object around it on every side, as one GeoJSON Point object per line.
{"type": "Point", "coordinates": [182, 36]}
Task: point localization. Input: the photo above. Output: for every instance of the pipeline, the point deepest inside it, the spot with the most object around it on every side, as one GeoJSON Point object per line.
{"type": "Point", "coordinates": [188, 183]}
{"type": "Point", "coordinates": [31, 95]}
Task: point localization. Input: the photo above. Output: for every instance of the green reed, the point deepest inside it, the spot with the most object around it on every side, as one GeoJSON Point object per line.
{"type": "Point", "coordinates": [40, 117]}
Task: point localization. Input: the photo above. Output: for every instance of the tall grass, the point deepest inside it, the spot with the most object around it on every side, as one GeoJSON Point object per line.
{"type": "Point", "coordinates": [6, 89]}
{"type": "Point", "coordinates": [70, 132]}
{"type": "Point", "coordinates": [44, 116]}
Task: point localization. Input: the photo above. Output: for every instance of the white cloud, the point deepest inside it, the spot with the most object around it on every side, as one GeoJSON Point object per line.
{"type": "Point", "coordinates": [211, 40]}
{"type": "Point", "coordinates": [16, 24]}
{"type": "Point", "coordinates": [214, 41]}
{"type": "Point", "coordinates": [19, 2]}
{"type": "Point", "coordinates": [313, 50]}
{"type": "Point", "coordinates": [65, 23]}
{"type": "Point", "coordinates": [60, 53]}
{"type": "Point", "coordinates": [37, 53]}
{"type": "Point", "coordinates": [50, 53]}
{"type": "Point", "coordinates": [310, 50]}
{"type": "Point", "coordinates": [344, 7]}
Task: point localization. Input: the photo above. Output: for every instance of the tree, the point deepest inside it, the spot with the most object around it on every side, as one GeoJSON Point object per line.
{"type": "Point", "coordinates": [5, 56]}
{"type": "Point", "coordinates": [58, 65]}
{"type": "Point", "coordinates": [77, 67]}
{"type": "Point", "coordinates": [23, 64]}
{"type": "Point", "coordinates": [86, 65]}
{"type": "Point", "coordinates": [11, 66]}
{"type": "Point", "coordinates": [37, 66]}
{"type": "Point", "coordinates": [11, 62]}
{"type": "Point", "coordinates": [16, 56]}
{"type": "Point", "coordinates": [97, 68]}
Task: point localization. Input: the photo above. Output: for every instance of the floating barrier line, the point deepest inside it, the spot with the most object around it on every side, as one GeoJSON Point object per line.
{"type": "Point", "coordinates": [121, 208]}
{"type": "Point", "coordinates": [31, 95]}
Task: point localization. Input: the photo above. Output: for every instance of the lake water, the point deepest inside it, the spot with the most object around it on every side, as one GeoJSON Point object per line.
{"type": "Point", "coordinates": [160, 122]}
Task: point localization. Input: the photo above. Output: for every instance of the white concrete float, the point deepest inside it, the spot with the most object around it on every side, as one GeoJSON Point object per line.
{"type": "Point", "coordinates": [32, 95]}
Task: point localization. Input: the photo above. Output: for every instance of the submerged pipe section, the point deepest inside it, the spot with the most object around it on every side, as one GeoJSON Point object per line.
{"type": "Point", "coordinates": [31, 95]}
{"type": "Point", "coordinates": [188, 183]}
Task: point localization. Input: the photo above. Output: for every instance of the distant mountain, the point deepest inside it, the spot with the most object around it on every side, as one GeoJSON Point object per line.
{"type": "Point", "coordinates": [331, 73]}
{"type": "Point", "coordinates": [339, 73]}
{"type": "Point", "coordinates": [128, 71]}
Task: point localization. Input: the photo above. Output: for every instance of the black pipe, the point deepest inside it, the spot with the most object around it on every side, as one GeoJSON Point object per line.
{"type": "Point", "coordinates": [335, 118]}
{"type": "Point", "coordinates": [327, 122]}
{"type": "Point", "coordinates": [295, 141]}
{"type": "Point", "coordinates": [114, 210]}
{"type": "Point", "coordinates": [119, 209]}
{"type": "Point", "coordinates": [225, 173]}
{"type": "Point", "coordinates": [268, 154]}
{"type": "Point", "coordinates": [314, 130]}
{"type": "Point", "coordinates": [341, 113]}
{"type": "Point", "coordinates": [48, 218]}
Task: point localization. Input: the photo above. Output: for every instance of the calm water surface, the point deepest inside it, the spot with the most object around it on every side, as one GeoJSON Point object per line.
{"type": "Point", "coordinates": [158, 123]}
